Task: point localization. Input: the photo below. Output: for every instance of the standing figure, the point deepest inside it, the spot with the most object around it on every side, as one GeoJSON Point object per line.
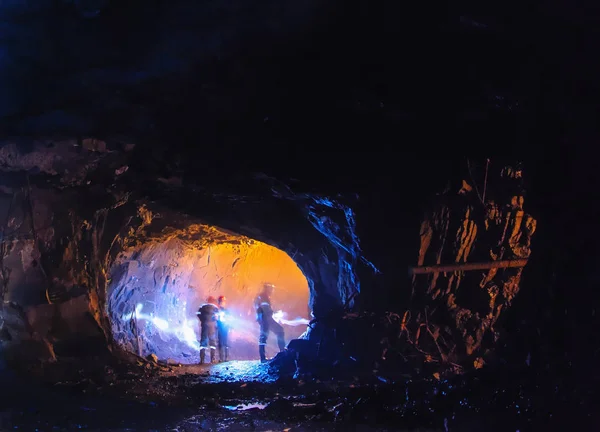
{"type": "Point", "coordinates": [207, 314]}
{"type": "Point", "coordinates": [223, 329]}
{"type": "Point", "coordinates": [264, 316]}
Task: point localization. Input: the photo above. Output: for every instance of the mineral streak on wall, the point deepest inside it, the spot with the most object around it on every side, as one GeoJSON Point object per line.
{"type": "Point", "coordinates": [480, 219]}
{"type": "Point", "coordinates": [168, 280]}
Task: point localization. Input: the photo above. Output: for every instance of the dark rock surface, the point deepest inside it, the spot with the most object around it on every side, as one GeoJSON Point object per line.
{"type": "Point", "coordinates": [46, 49]}
{"type": "Point", "coordinates": [456, 315]}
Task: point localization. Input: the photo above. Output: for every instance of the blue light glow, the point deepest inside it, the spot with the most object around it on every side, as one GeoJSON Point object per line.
{"type": "Point", "coordinates": [343, 238]}
{"type": "Point", "coordinates": [184, 332]}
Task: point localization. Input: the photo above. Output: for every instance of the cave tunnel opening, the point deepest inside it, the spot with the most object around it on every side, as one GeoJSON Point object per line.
{"type": "Point", "coordinates": [156, 288]}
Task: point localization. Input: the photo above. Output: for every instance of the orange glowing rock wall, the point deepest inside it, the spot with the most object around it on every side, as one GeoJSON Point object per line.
{"type": "Point", "coordinates": [238, 272]}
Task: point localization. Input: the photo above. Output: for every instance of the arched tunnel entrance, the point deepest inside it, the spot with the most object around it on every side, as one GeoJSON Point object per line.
{"type": "Point", "coordinates": [156, 288]}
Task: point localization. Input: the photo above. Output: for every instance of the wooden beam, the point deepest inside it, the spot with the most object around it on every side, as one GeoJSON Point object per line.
{"type": "Point", "coordinates": [467, 266]}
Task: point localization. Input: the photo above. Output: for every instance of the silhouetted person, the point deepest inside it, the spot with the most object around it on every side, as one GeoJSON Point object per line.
{"type": "Point", "coordinates": [207, 314]}
{"type": "Point", "coordinates": [264, 316]}
{"type": "Point", "coordinates": [223, 329]}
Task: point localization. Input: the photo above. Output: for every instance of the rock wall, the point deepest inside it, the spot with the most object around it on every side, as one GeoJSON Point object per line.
{"type": "Point", "coordinates": [45, 291]}
{"type": "Point", "coordinates": [455, 314]}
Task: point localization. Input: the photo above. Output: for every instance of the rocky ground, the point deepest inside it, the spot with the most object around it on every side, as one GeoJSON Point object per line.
{"type": "Point", "coordinates": [230, 396]}
{"type": "Point", "coordinates": [247, 396]}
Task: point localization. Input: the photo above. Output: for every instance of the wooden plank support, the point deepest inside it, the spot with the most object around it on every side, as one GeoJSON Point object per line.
{"type": "Point", "coordinates": [467, 266]}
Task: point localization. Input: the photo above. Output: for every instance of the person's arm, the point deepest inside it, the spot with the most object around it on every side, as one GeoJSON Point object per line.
{"type": "Point", "coordinates": [258, 309]}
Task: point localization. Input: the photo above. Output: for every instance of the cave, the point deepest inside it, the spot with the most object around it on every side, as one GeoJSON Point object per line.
{"type": "Point", "coordinates": [132, 267]}
{"type": "Point", "coordinates": [141, 254]}
{"type": "Point", "coordinates": [105, 264]}
{"type": "Point", "coordinates": [153, 154]}
{"type": "Point", "coordinates": [156, 289]}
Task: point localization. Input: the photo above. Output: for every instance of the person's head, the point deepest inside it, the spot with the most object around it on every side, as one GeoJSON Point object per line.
{"type": "Point", "coordinates": [268, 289]}
{"type": "Point", "coordinates": [222, 301]}
{"type": "Point", "coordinates": [211, 300]}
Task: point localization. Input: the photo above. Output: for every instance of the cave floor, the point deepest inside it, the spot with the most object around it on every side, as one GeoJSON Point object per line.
{"type": "Point", "coordinates": [231, 396]}
{"type": "Point", "coordinates": [230, 371]}
{"type": "Point", "coordinates": [107, 395]}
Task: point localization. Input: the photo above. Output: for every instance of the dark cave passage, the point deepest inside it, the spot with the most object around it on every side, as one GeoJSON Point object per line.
{"type": "Point", "coordinates": [157, 287]}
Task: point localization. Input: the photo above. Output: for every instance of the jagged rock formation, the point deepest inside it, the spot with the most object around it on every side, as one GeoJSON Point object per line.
{"type": "Point", "coordinates": [455, 310]}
